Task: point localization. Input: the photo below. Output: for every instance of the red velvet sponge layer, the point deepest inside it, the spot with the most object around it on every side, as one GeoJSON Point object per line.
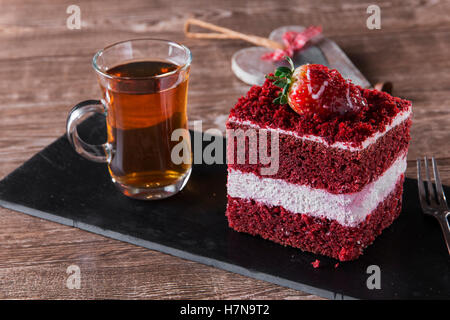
{"type": "Point", "coordinates": [314, 164]}
{"type": "Point", "coordinates": [317, 235]}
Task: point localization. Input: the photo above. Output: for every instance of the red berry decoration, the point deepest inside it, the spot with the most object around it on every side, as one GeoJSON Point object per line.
{"type": "Point", "coordinates": [313, 88]}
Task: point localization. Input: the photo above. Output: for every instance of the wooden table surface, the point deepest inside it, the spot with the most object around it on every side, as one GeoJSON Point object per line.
{"type": "Point", "coordinates": [45, 69]}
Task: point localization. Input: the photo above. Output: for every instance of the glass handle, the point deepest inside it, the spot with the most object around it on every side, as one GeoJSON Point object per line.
{"type": "Point", "coordinates": [97, 153]}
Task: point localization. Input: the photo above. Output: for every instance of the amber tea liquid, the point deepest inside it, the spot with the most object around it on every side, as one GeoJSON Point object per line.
{"type": "Point", "coordinates": [141, 121]}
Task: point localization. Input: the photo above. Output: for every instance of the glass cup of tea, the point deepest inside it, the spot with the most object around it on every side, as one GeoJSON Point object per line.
{"type": "Point", "coordinates": [144, 83]}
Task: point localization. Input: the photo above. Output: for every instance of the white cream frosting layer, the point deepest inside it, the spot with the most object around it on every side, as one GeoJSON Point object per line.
{"type": "Point", "coordinates": [400, 118]}
{"type": "Point", "coordinates": [348, 209]}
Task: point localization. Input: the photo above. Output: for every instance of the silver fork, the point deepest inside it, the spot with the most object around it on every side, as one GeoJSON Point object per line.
{"type": "Point", "coordinates": [433, 202]}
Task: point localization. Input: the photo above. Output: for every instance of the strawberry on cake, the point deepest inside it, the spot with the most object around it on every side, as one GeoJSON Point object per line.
{"type": "Point", "coordinates": [341, 162]}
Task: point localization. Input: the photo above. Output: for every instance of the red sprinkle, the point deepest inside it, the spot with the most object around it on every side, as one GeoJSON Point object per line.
{"type": "Point", "coordinates": [336, 265]}
{"type": "Point", "coordinates": [316, 264]}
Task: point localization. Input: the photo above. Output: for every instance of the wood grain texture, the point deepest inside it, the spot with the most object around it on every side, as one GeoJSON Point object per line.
{"type": "Point", "coordinates": [46, 69]}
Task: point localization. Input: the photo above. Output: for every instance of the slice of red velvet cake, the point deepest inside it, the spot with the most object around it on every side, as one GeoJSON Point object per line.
{"type": "Point", "coordinates": [341, 157]}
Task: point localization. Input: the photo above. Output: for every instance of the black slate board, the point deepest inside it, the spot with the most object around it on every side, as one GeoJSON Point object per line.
{"type": "Point", "coordinates": [58, 185]}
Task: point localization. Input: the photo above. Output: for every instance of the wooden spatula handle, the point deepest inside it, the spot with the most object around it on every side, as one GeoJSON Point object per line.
{"type": "Point", "coordinates": [386, 86]}
{"type": "Point", "coordinates": [224, 33]}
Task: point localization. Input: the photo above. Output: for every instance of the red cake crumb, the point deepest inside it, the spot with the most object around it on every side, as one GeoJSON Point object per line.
{"type": "Point", "coordinates": [316, 263]}
{"type": "Point", "coordinates": [336, 265]}
{"type": "Point", "coordinates": [351, 127]}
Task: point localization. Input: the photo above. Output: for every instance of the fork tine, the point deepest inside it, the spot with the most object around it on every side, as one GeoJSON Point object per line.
{"type": "Point", "coordinates": [431, 195]}
{"type": "Point", "coordinates": [422, 194]}
{"type": "Point", "coordinates": [437, 180]}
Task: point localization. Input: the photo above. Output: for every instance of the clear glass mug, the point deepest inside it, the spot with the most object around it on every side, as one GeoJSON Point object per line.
{"type": "Point", "coordinates": [144, 83]}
